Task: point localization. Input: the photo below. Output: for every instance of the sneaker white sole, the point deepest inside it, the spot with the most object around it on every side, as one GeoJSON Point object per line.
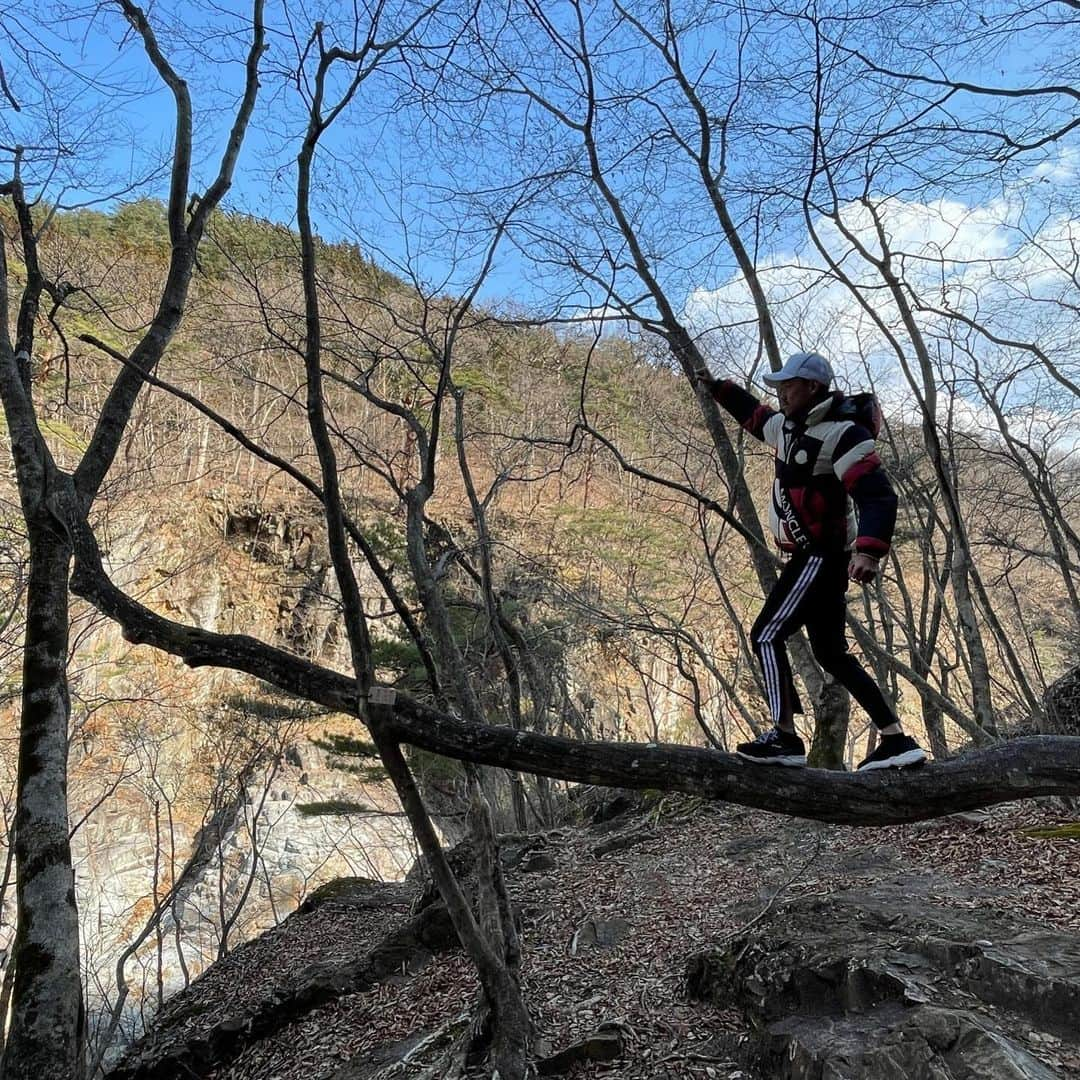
{"type": "Point", "coordinates": [794, 760]}
{"type": "Point", "coordinates": [908, 757]}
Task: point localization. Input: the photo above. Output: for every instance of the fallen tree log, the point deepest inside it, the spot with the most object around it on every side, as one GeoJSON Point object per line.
{"type": "Point", "coordinates": [1019, 769]}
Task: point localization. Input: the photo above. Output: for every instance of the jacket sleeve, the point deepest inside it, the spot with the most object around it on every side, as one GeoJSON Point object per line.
{"type": "Point", "coordinates": [744, 407]}
{"type": "Point", "coordinates": [857, 465]}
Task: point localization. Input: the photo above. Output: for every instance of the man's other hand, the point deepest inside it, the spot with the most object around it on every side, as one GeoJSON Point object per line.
{"type": "Point", "coordinates": [862, 568]}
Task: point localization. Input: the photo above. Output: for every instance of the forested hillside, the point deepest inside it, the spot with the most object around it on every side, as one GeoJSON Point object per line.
{"type": "Point", "coordinates": [599, 484]}
{"type": "Point", "coordinates": [627, 592]}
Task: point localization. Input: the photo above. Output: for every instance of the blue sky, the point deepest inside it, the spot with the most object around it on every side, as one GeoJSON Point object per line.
{"type": "Point", "coordinates": [120, 116]}
{"type": "Point", "coordinates": [410, 186]}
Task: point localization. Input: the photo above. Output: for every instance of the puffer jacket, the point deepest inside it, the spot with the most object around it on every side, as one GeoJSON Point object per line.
{"type": "Point", "coordinates": [830, 493]}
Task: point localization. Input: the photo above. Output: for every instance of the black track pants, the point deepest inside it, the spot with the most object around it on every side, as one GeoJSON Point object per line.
{"type": "Point", "coordinates": [811, 593]}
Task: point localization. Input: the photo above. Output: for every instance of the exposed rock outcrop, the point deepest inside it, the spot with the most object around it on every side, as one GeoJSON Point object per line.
{"type": "Point", "coordinates": [903, 980]}
{"type": "Point", "coordinates": [837, 954]}
{"type": "Point", "coordinates": [201, 782]}
{"type": "Point", "coordinates": [190, 1039]}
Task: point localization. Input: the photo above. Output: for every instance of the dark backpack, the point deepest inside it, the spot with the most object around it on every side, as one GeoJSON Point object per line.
{"type": "Point", "coordinates": [862, 408]}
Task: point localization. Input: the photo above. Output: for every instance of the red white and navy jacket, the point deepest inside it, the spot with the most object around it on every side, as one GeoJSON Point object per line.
{"type": "Point", "coordinates": [823, 465]}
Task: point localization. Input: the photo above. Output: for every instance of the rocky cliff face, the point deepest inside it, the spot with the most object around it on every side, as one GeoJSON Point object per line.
{"type": "Point", "coordinates": [252, 862]}
{"type": "Point", "coordinates": [187, 787]}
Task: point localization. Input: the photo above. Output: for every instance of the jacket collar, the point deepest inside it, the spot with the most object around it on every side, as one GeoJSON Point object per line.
{"type": "Point", "coordinates": [822, 409]}
{"type": "Point", "coordinates": [817, 414]}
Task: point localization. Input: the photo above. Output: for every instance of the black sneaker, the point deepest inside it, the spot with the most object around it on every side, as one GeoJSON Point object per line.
{"type": "Point", "coordinates": [774, 747]}
{"type": "Point", "coordinates": [894, 752]}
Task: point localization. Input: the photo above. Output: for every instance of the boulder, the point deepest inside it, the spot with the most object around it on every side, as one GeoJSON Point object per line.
{"type": "Point", "coordinates": [600, 934]}
{"type": "Point", "coordinates": [187, 1043]}
{"type": "Point", "coordinates": [606, 1044]}
{"type": "Point", "coordinates": [897, 981]}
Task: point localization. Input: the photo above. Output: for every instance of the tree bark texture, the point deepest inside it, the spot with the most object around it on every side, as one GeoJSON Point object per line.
{"type": "Point", "coordinates": [495, 959]}
{"type": "Point", "coordinates": [46, 1024]}
{"type": "Point", "coordinates": [963, 564]}
{"type": "Point", "coordinates": [832, 713]}
{"type": "Point", "coordinates": [508, 1025]}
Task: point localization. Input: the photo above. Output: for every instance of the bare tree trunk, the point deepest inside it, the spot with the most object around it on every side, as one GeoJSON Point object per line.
{"type": "Point", "coordinates": [925, 389]}
{"type": "Point", "coordinates": [46, 1024]}
{"type": "Point", "coordinates": [832, 713]}
{"type": "Point", "coordinates": [669, 326]}
{"type": "Point", "coordinates": [510, 1026]}
{"type": "Point", "coordinates": [960, 577]}
{"type": "Point", "coordinates": [492, 604]}
{"type": "Point", "coordinates": [511, 1029]}
{"type": "Point", "coordinates": [935, 728]}
{"type": "Point", "coordinates": [491, 942]}
{"type": "Point", "coordinates": [488, 945]}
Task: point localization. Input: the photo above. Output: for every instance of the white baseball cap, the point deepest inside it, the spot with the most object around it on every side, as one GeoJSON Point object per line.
{"type": "Point", "coordinates": [802, 365]}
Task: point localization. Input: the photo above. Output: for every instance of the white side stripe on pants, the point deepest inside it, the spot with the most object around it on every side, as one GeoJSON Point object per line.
{"type": "Point", "coordinates": [769, 666]}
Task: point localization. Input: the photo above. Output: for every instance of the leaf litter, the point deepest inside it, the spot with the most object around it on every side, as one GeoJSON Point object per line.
{"type": "Point", "coordinates": [678, 892]}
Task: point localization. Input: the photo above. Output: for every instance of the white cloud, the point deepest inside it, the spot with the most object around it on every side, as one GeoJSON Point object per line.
{"type": "Point", "coordinates": [1062, 169]}
{"type": "Point", "coordinates": [985, 263]}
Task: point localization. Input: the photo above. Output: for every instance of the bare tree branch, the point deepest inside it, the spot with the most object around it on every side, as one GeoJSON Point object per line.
{"type": "Point", "coordinates": [1023, 768]}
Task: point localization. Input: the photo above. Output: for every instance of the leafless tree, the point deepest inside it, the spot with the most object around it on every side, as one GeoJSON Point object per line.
{"type": "Point", "coordinates": [45, 1030]}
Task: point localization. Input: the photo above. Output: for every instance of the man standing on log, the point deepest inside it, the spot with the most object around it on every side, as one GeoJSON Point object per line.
{"type": "Point", "coordinates": [825, 463]}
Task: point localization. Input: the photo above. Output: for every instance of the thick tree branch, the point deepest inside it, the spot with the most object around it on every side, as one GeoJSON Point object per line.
{"type": "Point", "coordinates": [115, 413]}
{"type": "Point", "coordinates": [1021, 769]}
